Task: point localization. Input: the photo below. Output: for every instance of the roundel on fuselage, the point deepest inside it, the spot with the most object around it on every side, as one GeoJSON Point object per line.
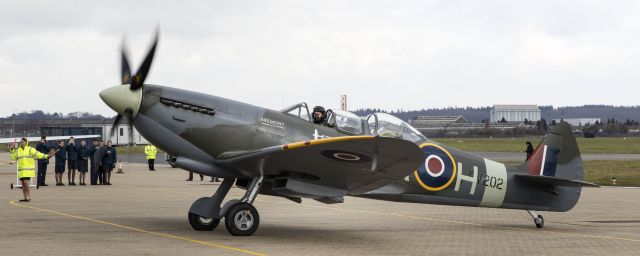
{"type": "Point", "coordinates": [438, 170]}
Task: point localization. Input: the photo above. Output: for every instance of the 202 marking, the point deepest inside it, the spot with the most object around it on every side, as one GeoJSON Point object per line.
{"type": "Point", "coordinates": [491, 181]}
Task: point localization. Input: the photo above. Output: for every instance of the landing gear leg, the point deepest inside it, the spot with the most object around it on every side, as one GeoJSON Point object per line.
{"type": "Point", "coordinates": [241, 218]}
{"type": "Point", "coordinates": [537, 219]}
{"type": "Point", "coordinates": [204, 214]}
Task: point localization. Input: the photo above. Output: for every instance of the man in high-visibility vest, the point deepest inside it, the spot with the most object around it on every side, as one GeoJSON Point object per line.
{"type": "Point", "coordinates": [26, 156]}
{"type": "Point", "coordinates": [150, 151]}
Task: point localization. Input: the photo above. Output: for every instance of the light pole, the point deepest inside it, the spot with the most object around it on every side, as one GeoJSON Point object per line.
{"type": "Point", "coordinates": [13, 122]}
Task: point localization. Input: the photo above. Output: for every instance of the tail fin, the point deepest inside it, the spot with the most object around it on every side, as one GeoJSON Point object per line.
{"type": "Point", "coordinates": [556, 167]}
{"type": "Point", "coordinates": [557, 155]}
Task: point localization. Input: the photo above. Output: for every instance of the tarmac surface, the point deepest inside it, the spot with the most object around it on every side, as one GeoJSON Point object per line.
{"type": "Point", "coordinates": [145, 213]}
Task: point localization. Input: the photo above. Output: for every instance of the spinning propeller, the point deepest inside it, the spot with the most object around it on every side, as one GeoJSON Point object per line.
{"type": "Point", "coordinates": [127, 102]}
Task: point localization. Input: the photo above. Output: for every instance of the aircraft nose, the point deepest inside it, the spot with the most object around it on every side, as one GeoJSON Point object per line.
{"type": "Point", "coordinates": [120, 98]}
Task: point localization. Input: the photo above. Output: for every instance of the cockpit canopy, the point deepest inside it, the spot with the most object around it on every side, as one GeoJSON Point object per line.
{"type": "Point", "coordinates": [345, 122]}
{"type": "Point", "coordinates": [385, 125]}
{"type": "Point", "coordinates": [377, 124]}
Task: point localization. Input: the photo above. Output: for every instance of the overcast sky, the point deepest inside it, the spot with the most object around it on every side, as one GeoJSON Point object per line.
{"type": "Point", "coordinates": [58, 55]}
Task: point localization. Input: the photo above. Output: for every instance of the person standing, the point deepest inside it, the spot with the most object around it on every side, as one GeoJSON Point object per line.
{"type": "Point", "coordinates": [26, 166]}
{"type": "Point", "coordinates": [151, 151]}
{"type": "Point", "coordinates": [94, 163]}
{"type": "Point", "coordinates": [98, 158]}
{"type": "Point", "coordinates": [61, 158]}
{"type": "Point", "coordinates": [72, 161]}
{"type": "Point", "coordinates": [108, 163]}
{"type": "Point", "coordinates": [42, 147]}
{"type": "Point", "coordinates": [191, 177]}
{"type": "Point", "coordinates": [83, 156]}
{"type": "Point", "coordinates": [529, 150]}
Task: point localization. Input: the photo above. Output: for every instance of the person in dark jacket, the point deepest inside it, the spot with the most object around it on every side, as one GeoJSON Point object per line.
{"type": "Point", "coordinates": [42, 147]}
{"type": "Point", "coordinates": [72, 161]}
{"type": "Point", "coordinates": [108, 163]}
{"type": "Point", "coordinates": [93, 163]}
{"type": "Point", "coordinates": [529, 149]}
{"type": "Point", "coordinates": [97, 158]}
{"type": "Point", "coordinates": [83, 167]}
{"type": "Point", "coordinates": [61, 158]}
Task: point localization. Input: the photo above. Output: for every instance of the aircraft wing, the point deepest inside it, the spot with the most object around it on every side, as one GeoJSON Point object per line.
{"type": "Point", "coordinates": [331, 167]}
{"type": "Point", "coordinates": [49, 138]}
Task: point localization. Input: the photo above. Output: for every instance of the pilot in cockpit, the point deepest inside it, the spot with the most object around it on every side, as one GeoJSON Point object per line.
{"type": "Point", "coordinates": [319, 115]}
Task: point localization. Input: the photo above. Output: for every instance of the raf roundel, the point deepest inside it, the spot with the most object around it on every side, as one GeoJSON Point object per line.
{"type": "Point", "coordinates": [438, 170]}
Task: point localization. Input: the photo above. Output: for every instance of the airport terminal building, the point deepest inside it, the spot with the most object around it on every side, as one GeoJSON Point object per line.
{"type": "Point", "coordinates": [515, 113]}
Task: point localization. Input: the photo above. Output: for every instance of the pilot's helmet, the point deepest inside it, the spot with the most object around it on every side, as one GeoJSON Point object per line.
{"type": "Point", "coordinates": [318, 109]}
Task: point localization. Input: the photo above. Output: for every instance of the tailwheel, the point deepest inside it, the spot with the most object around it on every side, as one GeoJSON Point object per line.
{"type": "Point", "coordinates": [539, 221]}
{"type": "Point", "coordinates": [200, 223]}
{"type": "Point", "coordinates": [242, 219]}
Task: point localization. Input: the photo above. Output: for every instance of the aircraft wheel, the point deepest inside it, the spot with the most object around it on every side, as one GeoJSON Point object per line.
{"type": "Point", "coordinates": [242, 219]}
{"type": "Point", "coordinates": [200, 223]}
{"type": "Point", "coordinates": [539, 221]}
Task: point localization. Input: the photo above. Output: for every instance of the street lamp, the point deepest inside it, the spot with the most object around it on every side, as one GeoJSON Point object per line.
{"type": "Point", "coordinates": [13, 122]}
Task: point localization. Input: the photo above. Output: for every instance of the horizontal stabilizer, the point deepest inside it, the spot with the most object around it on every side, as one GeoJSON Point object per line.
{"type": "Point", "coordinates": [553, 181]}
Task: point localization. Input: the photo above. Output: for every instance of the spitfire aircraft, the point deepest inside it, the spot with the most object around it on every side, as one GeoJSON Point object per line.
{"type": "Point", "coordinates": [285, 154]}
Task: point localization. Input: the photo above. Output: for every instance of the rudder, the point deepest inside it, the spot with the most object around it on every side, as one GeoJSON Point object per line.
{"type": "Point", "coordinates": [557, 155]}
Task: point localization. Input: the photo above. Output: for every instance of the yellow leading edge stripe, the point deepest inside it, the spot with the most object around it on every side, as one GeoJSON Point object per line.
{"type": "Point", "coordinates": [218, 246]}
{"type": "Point", "coordinates": [325, 140]}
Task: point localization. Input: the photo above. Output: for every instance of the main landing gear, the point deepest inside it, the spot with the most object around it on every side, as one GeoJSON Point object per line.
{"type": "Point", "coordinates": [537, 219]}
{"type": "Point", "coordinates": [240, 217]}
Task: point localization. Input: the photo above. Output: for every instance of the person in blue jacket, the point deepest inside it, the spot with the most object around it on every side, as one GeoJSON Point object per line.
{"type": "Point", "coordinates": [61, 158]}
{"type": "Point", "coordinates": [42, 147]}
{"type": "Point", "coordinates": [72, 161]}
{"type": "Point", "coordinates": [83, 165]}
{"type": "Point", "coordinates": [109, 160]}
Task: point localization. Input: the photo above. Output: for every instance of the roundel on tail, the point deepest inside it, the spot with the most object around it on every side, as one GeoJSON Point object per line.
{"type": "Point", "coordinates": [438, 170]}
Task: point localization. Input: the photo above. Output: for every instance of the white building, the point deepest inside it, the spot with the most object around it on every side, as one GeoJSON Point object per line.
{"type": "Point", "coordinates": [121, 135]}
{"type": "Point", "coordinates": [102, 127]}
{"type": "Point", "coordinates": [515, 113]}
{"type": "Point", "coordinates": [578, 122]}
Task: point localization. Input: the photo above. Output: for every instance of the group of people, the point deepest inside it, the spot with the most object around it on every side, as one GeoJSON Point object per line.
{"type": "Point", "coordinates": [97, 158]}
{"type": "Point", "coordinates": [101, 159]}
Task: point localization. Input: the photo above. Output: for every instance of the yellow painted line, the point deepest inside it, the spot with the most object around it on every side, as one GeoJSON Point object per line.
{"type": "Point", "coordinates": [325, 140]}
{"type": "Point", "coordinates": [213, 245]}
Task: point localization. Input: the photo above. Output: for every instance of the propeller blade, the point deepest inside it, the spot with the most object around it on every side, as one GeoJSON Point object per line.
{"type": "Point", "coordinates": [126, 70]}
{"type": "Point", "coordinates": [115, 124]}
{"type": "Point", "coordinates": [143, 71]}
{"type": "Point", "coordinates": [129, 114]}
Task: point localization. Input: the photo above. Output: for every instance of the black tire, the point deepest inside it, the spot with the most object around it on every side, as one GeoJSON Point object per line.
{"type": "Point", "coordinates": [539, 222]}
{"type": "Point", "coordinates": [200, 223]}
{"type": "Point", "coordinates": [242, 219]}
